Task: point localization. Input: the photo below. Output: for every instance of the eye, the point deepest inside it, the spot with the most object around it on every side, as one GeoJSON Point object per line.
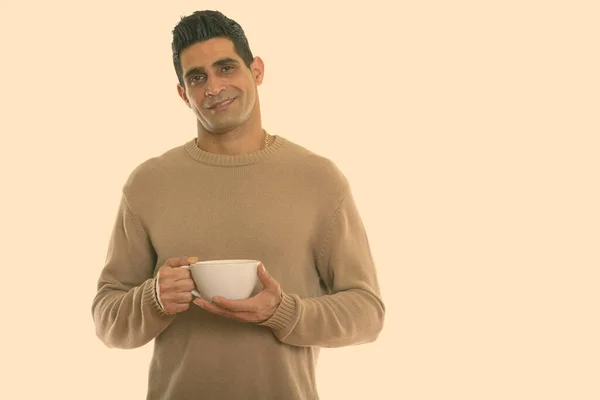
{"type": "Point", "coordinates": [195, 79]}
{"type": "Point", "coordinates": [227, 68]}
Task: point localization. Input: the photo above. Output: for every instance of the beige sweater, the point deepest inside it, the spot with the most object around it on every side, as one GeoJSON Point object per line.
{"type": "Point", "coordinates": [283, 205]}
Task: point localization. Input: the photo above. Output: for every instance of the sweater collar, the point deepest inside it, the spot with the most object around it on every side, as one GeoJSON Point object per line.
{"type": "Point", "coordinates": [223, 160]}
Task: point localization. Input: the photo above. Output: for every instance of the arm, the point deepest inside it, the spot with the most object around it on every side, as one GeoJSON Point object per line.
{"type": "Point", "coordinates": [125, 309]}
{"type": "Point", "coordinates": [353, 313]}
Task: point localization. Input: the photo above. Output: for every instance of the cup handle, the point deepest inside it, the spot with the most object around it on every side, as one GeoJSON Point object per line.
{"type": "Point", "coordinates": [194, 292]}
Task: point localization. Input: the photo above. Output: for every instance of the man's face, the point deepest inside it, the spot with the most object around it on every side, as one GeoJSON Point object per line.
{"type": "Point", "coordinates": [218, 86]}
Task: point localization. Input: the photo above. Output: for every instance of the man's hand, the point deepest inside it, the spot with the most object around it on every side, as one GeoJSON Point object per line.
{"type": "Point", "coordinates": [175, 284]}
{"type": "Point", "coordinates": [256, 309]}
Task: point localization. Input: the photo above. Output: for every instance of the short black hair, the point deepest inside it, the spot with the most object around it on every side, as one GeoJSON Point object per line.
{"type": "Point", "coordinates": [204, 25]}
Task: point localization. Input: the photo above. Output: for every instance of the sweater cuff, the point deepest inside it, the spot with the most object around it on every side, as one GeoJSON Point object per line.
{"type": "Point", "coordinates": [284, 316]}
{"type": "Point", "coordinates": [150, 297]}
{"type": "Point", "coordinates": [157, 293]}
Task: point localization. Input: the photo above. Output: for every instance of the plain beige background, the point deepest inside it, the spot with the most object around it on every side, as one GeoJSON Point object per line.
{"type": "Point", "coordinates": [468, 130]}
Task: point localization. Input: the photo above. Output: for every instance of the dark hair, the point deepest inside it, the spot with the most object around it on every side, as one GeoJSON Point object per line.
{"type": "Point", "coordinates": [204, 25]}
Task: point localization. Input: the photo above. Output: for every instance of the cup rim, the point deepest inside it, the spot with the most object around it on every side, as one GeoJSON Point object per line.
{"type": "Point", "coordinates": [226, 261]}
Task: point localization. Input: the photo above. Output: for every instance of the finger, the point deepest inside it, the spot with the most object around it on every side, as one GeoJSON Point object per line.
{"type": "Point", "coordinates": [185, 285]}
{"type": "Point", "coordinates": [215, 309]}
{"type": "Point", "coordinates": [246, 305]}
{"type": "Point", "coordinates": [208, 306]}
{"type": "Point", "coordinates": [184, 297]}
{"type": "Point", "coordinates": [174, 274]}
{"type": "Point", "coordinates": [176, 307]}
{"type": "Point", "coordinates": [175, 285]}
{"type": "Point", "coordinates": [177, 297]}
{"type": "Point", "coordinates": [177, 274]}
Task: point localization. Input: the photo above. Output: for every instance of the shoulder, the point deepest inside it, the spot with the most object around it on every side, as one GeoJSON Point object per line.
{"type": "Point", "coordinates": [153, 171]}
{"type": "Point", "coordinates": [314, 164]}
{"type": "Point", "coordinates": [317, 170]}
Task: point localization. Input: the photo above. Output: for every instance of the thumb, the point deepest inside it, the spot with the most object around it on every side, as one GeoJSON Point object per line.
{"type": "Point", "coordinates": [180, 261]}
{"type": "Point", "coordinates": [265, 278]}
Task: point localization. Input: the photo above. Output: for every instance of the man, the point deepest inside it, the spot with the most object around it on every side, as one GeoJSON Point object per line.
{"type": "Point", "coordinates": [235, 191]}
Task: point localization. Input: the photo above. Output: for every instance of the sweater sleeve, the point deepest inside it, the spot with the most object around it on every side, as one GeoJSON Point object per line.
{"type": "Point", "coordinates": [125, 309]}
{"type": "Point", "coordinates": [353, 311]}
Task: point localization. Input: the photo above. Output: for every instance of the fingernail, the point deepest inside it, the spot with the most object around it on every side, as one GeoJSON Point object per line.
{"type": "Point", "coordinates": [192, 260]}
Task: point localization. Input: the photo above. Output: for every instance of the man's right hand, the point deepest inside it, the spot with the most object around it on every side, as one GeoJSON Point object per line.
{"type": "Point", "coordinates": [175, 284]}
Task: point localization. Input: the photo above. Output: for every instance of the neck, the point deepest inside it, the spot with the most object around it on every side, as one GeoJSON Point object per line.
{"type": "Point", "coordinates": [244, 139]}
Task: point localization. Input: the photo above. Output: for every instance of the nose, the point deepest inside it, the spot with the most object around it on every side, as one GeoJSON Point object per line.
{"type": "Point", "coordinates": [214, 86]}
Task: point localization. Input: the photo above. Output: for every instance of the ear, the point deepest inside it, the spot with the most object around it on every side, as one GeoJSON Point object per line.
{"type": "Point", "coordinates": [258, 70]}
{"type": "Point", "coordinates": [181, 91]}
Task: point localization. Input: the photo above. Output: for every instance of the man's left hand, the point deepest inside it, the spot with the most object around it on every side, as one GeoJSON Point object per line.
{"type": "Point", "coordinates": [256, 309]}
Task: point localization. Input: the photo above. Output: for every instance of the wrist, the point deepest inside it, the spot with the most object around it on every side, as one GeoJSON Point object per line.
{"type": "Point", "coordinates": [273, 309]}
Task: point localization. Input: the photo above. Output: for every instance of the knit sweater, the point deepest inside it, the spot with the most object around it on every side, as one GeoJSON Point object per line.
{"type": "Point", "coordinates": [283, 205]}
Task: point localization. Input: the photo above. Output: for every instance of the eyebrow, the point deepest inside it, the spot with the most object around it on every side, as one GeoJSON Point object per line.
{"type": "Point", "coordinates": [218, 63]}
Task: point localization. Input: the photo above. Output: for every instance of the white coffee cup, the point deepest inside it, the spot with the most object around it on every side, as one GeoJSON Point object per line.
{"type": "Point", "coordinates": [231, 279]}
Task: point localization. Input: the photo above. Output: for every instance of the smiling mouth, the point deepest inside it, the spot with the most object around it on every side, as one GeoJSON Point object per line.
{"type": "Point", "coordinates": [221, 105]}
